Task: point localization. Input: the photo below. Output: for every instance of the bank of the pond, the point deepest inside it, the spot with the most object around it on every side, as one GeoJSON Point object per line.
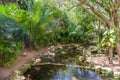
{"type": "Point", "coordinates": [69, 56]}
{"type": "Point", "coordinates": [101, 62]}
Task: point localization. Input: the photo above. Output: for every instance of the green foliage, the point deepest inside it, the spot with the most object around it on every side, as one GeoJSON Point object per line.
{"type": "Point", "coordinates": [48, 25]}
{"type": "Point", "coordinates": [38, 23]}
{"type": "Point", "coordinates": [10, 37]}
{"type": "Point", "coordinates": [110, 37]}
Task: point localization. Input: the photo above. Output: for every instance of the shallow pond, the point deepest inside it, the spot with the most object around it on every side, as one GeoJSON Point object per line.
{"type": "Point", "coordinates": [65, 55]}
{"type": "Point", "coordinates": [51, 72]}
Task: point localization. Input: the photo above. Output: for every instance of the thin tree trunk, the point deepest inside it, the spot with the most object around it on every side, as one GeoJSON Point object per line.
{"type": "Point", "coordinates": [116, 23]}
{"type": "Point", "coordinates": [110, 56]}
{"type": "Point", "coordinates": [118, 50]}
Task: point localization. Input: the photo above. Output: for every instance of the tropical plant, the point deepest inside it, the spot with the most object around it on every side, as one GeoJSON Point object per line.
{"type": "Point", "coordinates": [10, 44]}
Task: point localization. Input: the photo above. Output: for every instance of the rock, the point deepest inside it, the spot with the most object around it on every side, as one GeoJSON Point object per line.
{"type": "Point", "coordinates": [59, 48]}
{"type": "Point", "coordinates": [16, 71]}
{"type": "Point", "coordinates": [28, 77]}
{"type": "Point", "coordinates": [81, 59]}
{"type": "Point", "coordinates": [51, 48]}
{"type": "Point", "coordinates": [52, 55]}
{"type": "Point", "coordinates": [38, 60]}
{"type": "Point", "coordinates": [22, 78]}
{"type": "Point", "coordinates": [17, 76]}
{"type": "Point", "coordinates": [99, 55]}
{"type": "Point", "coordinates": [116, 73]}
{"type": "Point", "coordinates": [63, 53]}
{"type": "Point", "coordinates": [96, 67]}
{"type": "Point", "coordinates": [24, 54]}
{"type": "Point", "coordinates": [80, 48]}
{"type": "Point", "coordinates": [74, 78]}
{"type": "Point", "coordinates": [107, 68]}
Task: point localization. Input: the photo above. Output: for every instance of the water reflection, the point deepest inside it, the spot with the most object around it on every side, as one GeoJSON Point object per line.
{"type": "Point", "coordinates": [73, 73]}
{"type": "Point", "coordinates": [50, 72]}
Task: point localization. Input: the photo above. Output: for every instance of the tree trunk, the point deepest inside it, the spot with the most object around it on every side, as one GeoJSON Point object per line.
{"type": "Point", "coordinates": [110, 56]}
{"type": "Point", "coordinates": [116, 23]}
{"type": "Point", "coordinates": [118, 51]}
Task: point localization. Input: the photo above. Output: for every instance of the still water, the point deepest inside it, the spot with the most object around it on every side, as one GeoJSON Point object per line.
{"type": "Point", "coordinates": [51, 72]}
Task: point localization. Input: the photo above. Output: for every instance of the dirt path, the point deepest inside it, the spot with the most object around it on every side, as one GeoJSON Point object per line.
{"type": "Point", "coordinates": [5, 72]}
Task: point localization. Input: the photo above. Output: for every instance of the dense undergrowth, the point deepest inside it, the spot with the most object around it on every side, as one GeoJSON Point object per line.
{"type": "Point", "coordinates": [37, 24]}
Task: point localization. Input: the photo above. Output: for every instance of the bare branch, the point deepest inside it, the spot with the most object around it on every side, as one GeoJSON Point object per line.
{"type": "Point", "coordinates": [98, 13]}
